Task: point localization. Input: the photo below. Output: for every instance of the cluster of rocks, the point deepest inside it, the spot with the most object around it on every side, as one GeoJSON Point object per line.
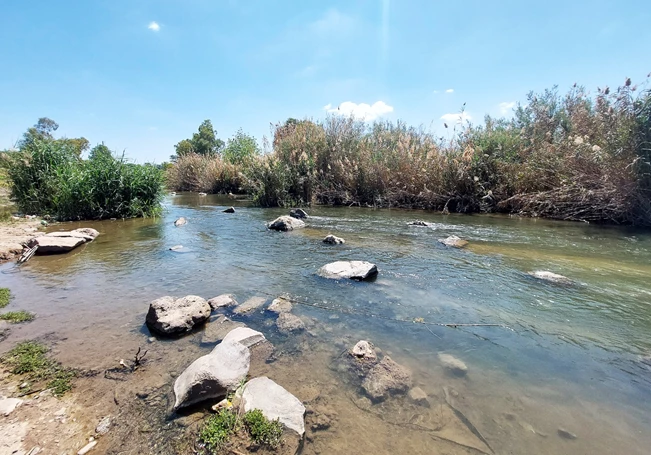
{"type": "Point", "coordinates": [225, 369]}
{"type": "Point", "coordinates": [63, 241]}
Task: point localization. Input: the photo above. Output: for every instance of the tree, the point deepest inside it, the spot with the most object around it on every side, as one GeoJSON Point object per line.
{"type": "Point", "coordinates": [43, 131]}
{"type": "Point", "coordinates": [241, 148]}
{"type": "Point", "coordinates": [203, 142]}
{"type": "Point", "coordinates": [79, 145]}
{"type": "Point", "coordinates": [99, 151]}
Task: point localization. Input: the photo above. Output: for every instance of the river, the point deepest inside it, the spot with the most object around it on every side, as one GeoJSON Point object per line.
{"type": "Point", "coordinates": [559, 357]}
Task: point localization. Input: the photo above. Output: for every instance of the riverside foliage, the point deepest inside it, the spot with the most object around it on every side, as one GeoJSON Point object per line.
{"type": "Point", "coordinates": [571, 157]}
{"type": "Point", "coordinates": [48, 177]}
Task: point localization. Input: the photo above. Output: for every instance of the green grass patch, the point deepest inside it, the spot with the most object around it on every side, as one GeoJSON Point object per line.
{"type": "Point", "coordinates": [5, 297]}
{"type": "Point", "coordinates": [217, 430]}
{"type": "Point", "coordinates": [262, 430]}
{"type": "Point", "coordinates": [30, 360]}
{"type": "Point", "coordinates": [16, 317]}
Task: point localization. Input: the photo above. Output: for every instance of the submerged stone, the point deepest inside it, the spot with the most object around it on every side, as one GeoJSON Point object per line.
{"type": "Point", "coordinates": [280, 305]}
{"type": "Point", "coordinates": [249, 305]}
{"type": "Point", "coordinates": [385, 378]}
{"type": "Point", "coordinates": [418, 396]}
{"type": "Point", "coordinates": [551, 277]}
{"type": "Point", "coordinates": [224, 300]}
{"type": "Point", "coordinates": [288, 323]}
{"type": "Point", "coordinates": [180, 222]}
{"type": "Point", "coordinates": [454, 365]}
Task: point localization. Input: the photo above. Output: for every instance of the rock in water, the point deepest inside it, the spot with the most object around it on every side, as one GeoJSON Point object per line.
{"type": "Point", "coordinates": [275, 403]}
{"type": "Point", "coordinates": [250, 305]}
{"type": "Point", "coordinates": [180, 222]}
{"type": "Point", "coordinates": [280, 305]}
{"type": "Point", "coordinates": [354, 270]}
{"type": "Point", "coordinates": [418, 223]}
{"type": "Point", "coordinates": [418, 396]}
{"type": "Point", "coordinates": [213, 375]}
{"type": "Point", "coordinates": [286, 223]}
{"type": "Point", "coordinates": [176, 248]}
{"type": "Point", "coordinates": [298, 213]}
{"type": "Point", "coordinates": [563, 433]}
{"type": "Point", "coordinates": [288, 323]}
{"type": "Point", "coordinates": [385, 378]}
{"type": "Point", "coordinates": [363, 350]}
{"type": "Point", "coordinates": [229, 210]}
{"type": "Point", "coordinates": [551, 277]}
{"type": "Point", "coordinates": [454, 365]}
{"type": "Point", "coordinates": [174, 317]}
{"type": "Point", "coordinates": [218, 329]}
{"type": "Point", "coordinates": [454, 242]}
{"type": "Point", "coordinates": [62, 242]}
{"type": "Point", "coordinates": [224, 300]}
{"type": "Point", "coordinates": [244, 335]}
{"type": "Point", "coordinates": [333, 240]}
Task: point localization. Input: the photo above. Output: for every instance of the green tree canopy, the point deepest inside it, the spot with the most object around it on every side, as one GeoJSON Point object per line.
{"type": "Point", "coordinates": [43, 131]}
{"type": "Point", "coordinates": [203, 142]}
{"type": "Point", "coordinates": [241, 148]}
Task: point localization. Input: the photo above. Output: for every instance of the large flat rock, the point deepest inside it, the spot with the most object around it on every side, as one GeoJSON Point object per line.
{"type": "Point", "coordinates": [213, 375]}
{"type": "Point", "coordinates": [244, 335]}
{"type": "Point", "coordinates": [62, 241]}
{"type": "Point", "coordinates": [275, 403]}
{"type": "Point", "coordinates": [354, 270]}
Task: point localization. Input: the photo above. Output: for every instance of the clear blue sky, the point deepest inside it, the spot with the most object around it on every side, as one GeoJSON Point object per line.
{"type": "Point", "coordinates": [142, 75]}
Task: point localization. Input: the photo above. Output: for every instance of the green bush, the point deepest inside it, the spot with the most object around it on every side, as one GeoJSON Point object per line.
{"type": "Point", "coordinates": [16, 317]}
{"type": "Point", "coordinates": [5, 297]}
{"type": "Point", "coordinates": [262, 430]}
{"type": "Point", "coordinates": [49, 178]}
{"type": "Point", "coordinates": [217, 430]}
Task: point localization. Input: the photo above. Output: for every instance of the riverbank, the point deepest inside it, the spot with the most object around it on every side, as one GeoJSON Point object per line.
{"type": "Point", "coordinates": [13, 234]}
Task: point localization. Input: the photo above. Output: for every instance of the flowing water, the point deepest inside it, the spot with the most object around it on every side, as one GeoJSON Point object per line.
{"type": "Point", "coordinates": [569, 357]}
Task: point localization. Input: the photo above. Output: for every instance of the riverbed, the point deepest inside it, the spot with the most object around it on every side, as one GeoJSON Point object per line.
{"type": "Point", "coordinates": [558, 369]}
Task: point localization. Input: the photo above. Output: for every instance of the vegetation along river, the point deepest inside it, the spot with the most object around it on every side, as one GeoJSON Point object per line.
{"type": "Point", "coordinates": [563, 371]}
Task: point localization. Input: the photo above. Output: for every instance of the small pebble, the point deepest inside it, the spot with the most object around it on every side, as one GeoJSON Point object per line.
{"type": "Point", "coordinates": [87, 448]}
{"type": "Point", "coordinates": [563, 433]}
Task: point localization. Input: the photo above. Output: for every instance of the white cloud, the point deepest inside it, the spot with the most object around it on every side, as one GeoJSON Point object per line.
{"type": "Point", "coordinates": [450, 90]}
{"type": "Point", "coordinates": [505, 107]}
{"type": "Point", "coordinates": [361, 111]}
{"type": "Point", "coordinates": [459, 117]}
{"type": "Point", "coordinates": [154, 26]}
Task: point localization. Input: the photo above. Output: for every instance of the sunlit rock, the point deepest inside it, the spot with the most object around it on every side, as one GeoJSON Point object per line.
{"type": "Point", "coordinates": [174, 317]}
{"type": "Point", "coordinates": [275, 403]}
{"type": "Point", "coordinates": [180, 222]}
{"type": "Point", "coordinates": [454, 241]}
{"type": "Point", "coordinates": [298, 213]}
{"type": "Point", "coordinates": [213, 375]}
{"type": "Point", "coordinates": [551, 277]}
{"type": "Point", "coordinates": [221, 301]}
{"type": "Point", "coordinates": [280, 305]}
{"type": "Point", "coordinates": [333, 240]}
{"type": "Point", "coordinates": [286, 223]}
{"type": "Point", "coordinates": [354, 270]}
{"type": "Point", "coordinates": [245, 335]}
{"type": "Point", "coordinates": [363, 350]}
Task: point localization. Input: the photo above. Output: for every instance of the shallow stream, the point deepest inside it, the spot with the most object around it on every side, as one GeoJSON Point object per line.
{"type": "Point", "coordinates": [562, 357]}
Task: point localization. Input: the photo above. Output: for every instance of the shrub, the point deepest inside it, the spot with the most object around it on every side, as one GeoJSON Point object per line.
{"type": "Point", "coordinates": [49, 178]}
{"type": "Point", "coordinates": [201, 173]}
{"type": "Point", "coordinates": [16, 317]}
{"type": "Point", "coordinates": [5, 297]}
{"type": "Point", "coordinates": [262, 430]}
{"type": "Point", "coordinates": [217, 430]}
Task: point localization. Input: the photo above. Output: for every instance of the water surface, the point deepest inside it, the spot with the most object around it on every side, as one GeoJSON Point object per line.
{"type": "Point", "coordinates": [563, 356]}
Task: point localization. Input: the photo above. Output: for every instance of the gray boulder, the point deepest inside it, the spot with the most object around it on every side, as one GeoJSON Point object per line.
{"type": "Point", "coordinates": [224, 300]}
{"type": "Point", "coordinates": [280, 305]}
{"type": "Point", "coordinates": [249, 305]}
{"type": "Point", "coordinates": [551, 277]}
{"type": "Point", "coordinates": [286, 223]}
{"type": "Point", "coordinates": [385, 378]}
{"type": "Point", "coordinates": [298, 213]}
{"type": "Point", "coordinates": [333, 240]}
{"type": "Point", "coordinates": [275, 403]}
{"type": "Point", "coordinates": [354, 270]}
{"type": "Point", "coordinates": [244, 335]}
{"type": "Point", "coordinates": [180, 222]}
{"type": "Point", "coordinates": [174, 317]}
{"type": "Point", "coordinates": [454, 241]}
{"type": "Point", "coordinates": [288, 323]}
{"type": "Point", "coordinates": [213, 375]}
